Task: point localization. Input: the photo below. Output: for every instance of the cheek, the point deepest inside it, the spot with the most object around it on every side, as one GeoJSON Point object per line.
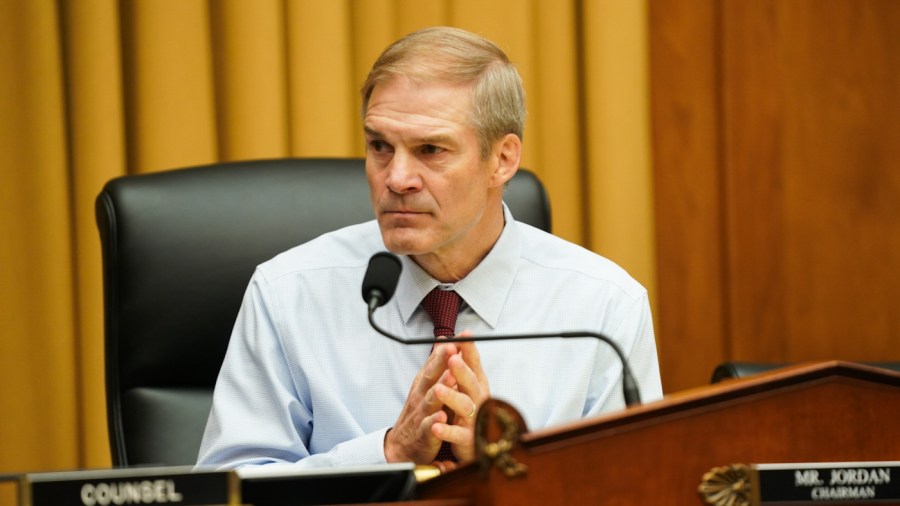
{"type": "Point", "coordinates": [467, 198]}
{"type": "Point", "coordinates": [376, 186]}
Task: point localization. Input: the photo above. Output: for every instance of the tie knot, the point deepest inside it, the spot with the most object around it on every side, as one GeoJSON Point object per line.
{"type": "Point", "coordinates": [442, 306]}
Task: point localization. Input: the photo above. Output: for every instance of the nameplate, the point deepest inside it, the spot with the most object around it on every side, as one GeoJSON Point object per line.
{"type": "Point", "coordinates": [280, 485]}
{"type": "Point", "coordinates": [157, 485]}
{"type": "Point", "coordinates": [848, 482]}
{"type": "Point", "coordinates": [803, 483]}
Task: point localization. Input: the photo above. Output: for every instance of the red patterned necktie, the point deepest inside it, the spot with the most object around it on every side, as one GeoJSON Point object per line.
{"type": "Point", "coordinates": [442, 307]}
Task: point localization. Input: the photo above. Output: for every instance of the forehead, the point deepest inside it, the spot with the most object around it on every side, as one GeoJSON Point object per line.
{"type": "Point", "coordinates": [400, 104]}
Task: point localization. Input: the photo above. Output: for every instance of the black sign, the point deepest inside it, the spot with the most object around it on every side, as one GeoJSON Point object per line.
{"type": "Point", "coordinates": [852, 482]}
{"type": "Point", "coordinates": [280, 486]}
{"type": "Point", "coordinates": [179, 486]}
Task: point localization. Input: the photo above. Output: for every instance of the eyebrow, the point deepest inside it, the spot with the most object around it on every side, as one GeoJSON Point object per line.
{"type": "Point", "coordinates": [428, 139]}
{"type": "Point", "coordinates": [372, 132]}
{"type": "Point", "coordinates": [435, 139]}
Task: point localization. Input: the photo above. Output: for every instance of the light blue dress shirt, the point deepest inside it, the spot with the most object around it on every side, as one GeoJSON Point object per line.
{"type": "Point", "coordinates": [306, 380]}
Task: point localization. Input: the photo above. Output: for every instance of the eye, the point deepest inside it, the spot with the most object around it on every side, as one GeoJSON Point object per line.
{"type": "Point", "coordinates": [378, 145]}
{"type": "Point", "coordinates": [431, 149]}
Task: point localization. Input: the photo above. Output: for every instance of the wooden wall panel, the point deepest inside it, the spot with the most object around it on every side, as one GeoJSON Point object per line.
{"type": "Point", "coordinates": [690, 315]}
{"type": "Point", "coordinates": [753, 168]}
{"type": "Point", "coordinates": [781, 118]}
{"type": "Point", "coordinates": [811, 132]}
{"type": "Point", "coordinates": [848, 253]}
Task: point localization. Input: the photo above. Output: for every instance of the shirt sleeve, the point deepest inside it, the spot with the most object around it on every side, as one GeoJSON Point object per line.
{"type": "Point", "coordinates": [634, 335]}
{"type": "Point", "coordinates": [258, 415]}
{"type": "Point", "coordinates": [642, 355]}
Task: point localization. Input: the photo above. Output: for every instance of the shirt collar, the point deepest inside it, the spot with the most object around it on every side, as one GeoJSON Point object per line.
{"type": "Point", "coordinates": [484, 289]}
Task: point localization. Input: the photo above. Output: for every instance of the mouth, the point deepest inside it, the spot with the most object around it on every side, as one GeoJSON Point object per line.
{"type": "Point", "coordinates": [402, 217]}
{"type": "Point", "coordinates": [403, 212]}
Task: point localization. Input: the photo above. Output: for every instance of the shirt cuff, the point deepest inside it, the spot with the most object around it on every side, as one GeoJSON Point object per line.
{"type": "Point", "coordinates": [367, 449]}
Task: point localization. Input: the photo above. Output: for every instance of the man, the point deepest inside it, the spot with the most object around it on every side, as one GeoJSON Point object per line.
{"type": "Point", "coordinates": [307, 381]}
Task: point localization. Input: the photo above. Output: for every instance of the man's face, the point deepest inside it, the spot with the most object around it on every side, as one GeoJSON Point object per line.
{"type": "Point", "coordinates": [429, 186]}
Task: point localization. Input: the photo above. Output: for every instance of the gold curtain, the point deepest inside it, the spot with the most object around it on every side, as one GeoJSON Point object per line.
{"type": "Point", "coordinates": [92, 89]}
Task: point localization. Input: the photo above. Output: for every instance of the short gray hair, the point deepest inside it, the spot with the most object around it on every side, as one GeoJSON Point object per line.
{"type": "Point", "coordinates": [452, 55]}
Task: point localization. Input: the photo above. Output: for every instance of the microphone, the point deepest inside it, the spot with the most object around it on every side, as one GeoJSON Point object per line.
{"type": "Point", "coordinates": [379, 285]}
{"type": "Point", "coordinates": [381, 279]}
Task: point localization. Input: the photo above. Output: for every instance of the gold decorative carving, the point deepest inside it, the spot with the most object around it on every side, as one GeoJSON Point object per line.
{"type": "Point", "coordinates": [727, 486]}
{"type": "Point", "coordinates": [498, 419]}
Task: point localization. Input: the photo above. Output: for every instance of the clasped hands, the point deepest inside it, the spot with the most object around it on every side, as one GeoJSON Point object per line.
{"type": "Point", "coordinates": [441, 406]}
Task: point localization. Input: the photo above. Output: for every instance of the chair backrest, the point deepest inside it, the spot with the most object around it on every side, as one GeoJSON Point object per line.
{"type": "Point", "coordinates": [729, 370]}
{"type": "Point", "coordinates": [179, 248]}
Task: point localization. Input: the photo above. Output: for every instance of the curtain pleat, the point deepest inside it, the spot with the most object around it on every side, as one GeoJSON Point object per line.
{"type": "Point", "coordinates": [39, 427]}
{"type": "Point", "coordinates": [169, 91]}
{"type": "Point", "coordinates": [95, 122]}
{"type": "Point", "coordinates": [93, 89]}
{"type": "Point", "coordinates": [555, 116]}
{"type": "Point", "coordinates": [617, 119]}
{"type": "Point", "coordinates": [324, 115]}
{"type": "Point", "coordinates": [249, 57]}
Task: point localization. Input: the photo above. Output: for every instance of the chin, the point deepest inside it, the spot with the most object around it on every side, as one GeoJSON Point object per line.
{"type": "Point", "coordinates": [403, 249]}
{"type": "Point", "coordinates": [402, 244]}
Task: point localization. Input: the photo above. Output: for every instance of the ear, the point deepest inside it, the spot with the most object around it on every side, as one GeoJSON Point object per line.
{"type": "Point", "coordinates": [507, 154]}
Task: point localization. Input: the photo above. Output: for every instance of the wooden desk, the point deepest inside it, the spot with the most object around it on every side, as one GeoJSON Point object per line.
{"type": "Point", "coordinates": [657, 453]}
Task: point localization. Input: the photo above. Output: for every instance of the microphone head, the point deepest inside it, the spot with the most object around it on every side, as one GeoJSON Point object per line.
{"type": "Point", "coordinates": [381, 278]}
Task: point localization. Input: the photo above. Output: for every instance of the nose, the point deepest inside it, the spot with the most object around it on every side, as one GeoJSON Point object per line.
{"type": "Point", "coordinates": [402, 173]}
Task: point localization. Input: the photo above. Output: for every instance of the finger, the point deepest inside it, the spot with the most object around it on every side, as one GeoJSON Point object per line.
{"type": "Point", "coordinates": [432, 401]}
{"type": "Point", "coordinates": [412, 439]}
{"type": "Point", "coordinates": [438, 416]}
{"type": "Point", "coordinates": [444, 347]}
{"type": "Point", "coordinates": [468, 382]}
{"type": "Point", "coordinates": [460, 403]}
{"type": "Point", "coordinates": [465, 376]}
{"type": "Point", "coordinates": [426, 435]}
{"type": "Point", "coordinates": [453, 434]}
{"type": "Point", "coordinates": [470, 354]}
{"type": "Point", "coordinates": [461, 439]}
{"type": "Point", "coordinates": [448, 379]}
{"type": "Point", "coordinates": [435, 366]}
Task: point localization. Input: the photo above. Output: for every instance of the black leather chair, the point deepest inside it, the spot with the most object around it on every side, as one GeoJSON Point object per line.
{"type": "Point", "coordinates": [179, 248]}
{"type": "Point", "coordinates": [727, 370]}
